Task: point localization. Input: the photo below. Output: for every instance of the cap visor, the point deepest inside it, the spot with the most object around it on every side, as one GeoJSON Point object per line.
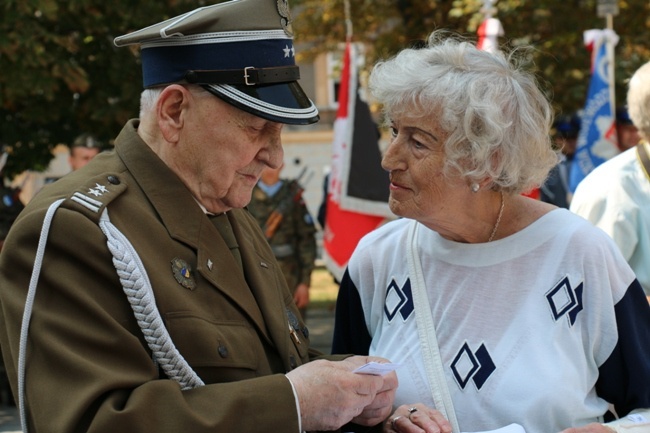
{"type": "Point", "coordinates": [282, 103]}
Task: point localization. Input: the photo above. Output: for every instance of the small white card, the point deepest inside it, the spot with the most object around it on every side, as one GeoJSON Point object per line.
{"type": "Point", "coordinates": [637, 418]}
{"type": "Point", "coordinates": [512, 428]}
{"type": "Point", "coordinates": [376, 368]}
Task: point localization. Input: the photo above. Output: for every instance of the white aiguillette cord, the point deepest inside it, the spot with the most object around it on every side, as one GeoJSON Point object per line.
{"type": "Point", "coordinates": [427, 333]}
{"type": "Point", "coordinates": [137, 287]}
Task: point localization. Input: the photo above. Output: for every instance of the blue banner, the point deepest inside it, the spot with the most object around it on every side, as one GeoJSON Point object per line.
{"type": "Point", "coordinates": [597, 139]}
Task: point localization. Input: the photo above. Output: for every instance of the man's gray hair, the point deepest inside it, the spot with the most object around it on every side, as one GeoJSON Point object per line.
{"type": "Point", "coordinates": [498, 119]}
{"type": "Point", "coordinates": [148, 100]}
{"type": "Point", "coordinates": [149, 97]}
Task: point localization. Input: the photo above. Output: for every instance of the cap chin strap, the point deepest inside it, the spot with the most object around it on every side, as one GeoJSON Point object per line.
{"type": "Point", "coordinates": [136, 286]}
{"type": "Point", "coordinates": [249, 76]}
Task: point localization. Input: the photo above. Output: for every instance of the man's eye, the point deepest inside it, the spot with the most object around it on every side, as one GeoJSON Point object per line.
{"type": "Point", "coordinates": [393, 131]}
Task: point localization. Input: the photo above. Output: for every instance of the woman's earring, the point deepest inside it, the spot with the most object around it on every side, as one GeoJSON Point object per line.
{"type": "Point", "coordinates": [475, 187]}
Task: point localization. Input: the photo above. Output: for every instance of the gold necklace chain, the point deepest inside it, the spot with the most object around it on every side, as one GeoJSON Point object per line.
{"type": "Point", "coordinates": [496, 225]}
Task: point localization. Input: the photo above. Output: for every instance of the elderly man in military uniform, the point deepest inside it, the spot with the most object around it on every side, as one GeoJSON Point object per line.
{"type": "Point", "coordinates": [137, 293]}
{"type": "Point", "coordinates": [281, 212]}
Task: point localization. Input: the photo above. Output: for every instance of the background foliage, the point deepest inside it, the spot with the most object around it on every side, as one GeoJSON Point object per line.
{"type": "Point", "coordinates": [553, 28]}
{"type": "Point", "coordinates": [61, 75]}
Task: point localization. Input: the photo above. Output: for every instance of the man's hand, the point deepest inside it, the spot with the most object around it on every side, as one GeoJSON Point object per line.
{"type": "Point", "coordinates": [301, 295]}
{"type": "Point", "coordinates": [330, 395]}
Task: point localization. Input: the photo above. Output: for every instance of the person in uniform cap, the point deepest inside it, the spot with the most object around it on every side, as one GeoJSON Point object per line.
{"type": "Point", "coordinates": [152, 300]}
{"type": "Point", "coordinates": [555, 189]}
{"type": "Point", "coordinates": [628, 134]}
{"type": "Point", "coordinates": [84, 148]}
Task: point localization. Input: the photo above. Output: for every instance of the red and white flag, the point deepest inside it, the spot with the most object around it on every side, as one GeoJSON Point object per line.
{"type": "Point", "coordinates": [488, 34]}
{"type": "Point", "coordinates": [488, 40]}
{"type": "Point", "coordinates": [358, 189]}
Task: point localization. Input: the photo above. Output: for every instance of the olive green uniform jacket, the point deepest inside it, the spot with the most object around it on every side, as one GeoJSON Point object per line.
{"type": "Point", "coordinates": [88, 368]}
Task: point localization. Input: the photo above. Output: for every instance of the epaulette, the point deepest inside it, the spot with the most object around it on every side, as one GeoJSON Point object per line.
{"type": "Point", "coordinates": [95, 194]}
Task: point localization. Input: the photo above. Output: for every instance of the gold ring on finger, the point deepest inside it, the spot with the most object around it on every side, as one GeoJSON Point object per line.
{"type": "Point", "coordinates": [393, 421]}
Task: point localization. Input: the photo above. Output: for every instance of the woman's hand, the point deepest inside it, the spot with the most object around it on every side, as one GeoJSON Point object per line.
{"type": "Point", "coordinates": [416, 418]}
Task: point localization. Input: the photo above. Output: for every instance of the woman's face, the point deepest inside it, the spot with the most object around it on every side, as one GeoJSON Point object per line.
{"type": "Point", "coordinates": [415, 159]}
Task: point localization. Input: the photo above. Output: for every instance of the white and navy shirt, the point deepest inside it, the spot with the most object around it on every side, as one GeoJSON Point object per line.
{"type": "Point", "coordinates": [543, 328]}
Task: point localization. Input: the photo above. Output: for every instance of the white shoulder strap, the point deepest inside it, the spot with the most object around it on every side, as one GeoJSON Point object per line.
{"type": "Point", "coordinates": [137, 287]}
{"type": "Point", "coordinates": [27, 313]}
{"type": "Point", "coordinates": [427, 332]}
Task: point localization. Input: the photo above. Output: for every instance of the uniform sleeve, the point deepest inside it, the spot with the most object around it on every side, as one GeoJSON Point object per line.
{"type": "Point", "coordinates": [624, 378]}
{"type": "Point", "coordinates": [88, 368]}
{"type": "Point", "coordinates": [350, 331]}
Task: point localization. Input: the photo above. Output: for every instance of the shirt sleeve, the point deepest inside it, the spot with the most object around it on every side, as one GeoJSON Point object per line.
{"type": "Point", "coordinates": [625, 375]}
{"type": "Point", "coordinates": [350, 331]}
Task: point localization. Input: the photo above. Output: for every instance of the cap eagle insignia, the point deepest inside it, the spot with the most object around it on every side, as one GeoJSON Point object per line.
{"type": "Point", "coordinates": [285, 13]}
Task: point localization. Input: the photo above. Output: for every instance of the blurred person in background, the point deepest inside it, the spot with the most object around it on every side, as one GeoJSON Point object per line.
{"type": "Point", "coordinates": [615, 196]}
{"type": "Point", "coordinates": [278, 206]}
{"type": "Point", "coordinates": [627, 132]}
{"type": "Point", "coordinates": [555, 189]}
{"type": "Point", "coordinates": [84, 148]}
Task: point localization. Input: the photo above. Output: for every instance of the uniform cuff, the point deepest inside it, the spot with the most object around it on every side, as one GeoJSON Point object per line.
{"type": "Point", "coordinates": [295, 396]}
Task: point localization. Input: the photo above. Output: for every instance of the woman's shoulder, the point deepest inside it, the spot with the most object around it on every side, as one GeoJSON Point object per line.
{"type": "Point", "coordinates": [387, 233]}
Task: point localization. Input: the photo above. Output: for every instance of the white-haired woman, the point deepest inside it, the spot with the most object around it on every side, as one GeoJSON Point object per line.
{"type": "Point", "coordinates": [539, 320]}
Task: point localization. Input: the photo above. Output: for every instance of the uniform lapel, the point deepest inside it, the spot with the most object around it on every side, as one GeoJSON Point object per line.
{"type": "Point", "coordinates": [218, 266]}
{"type": "Point", "coordinates": [262, 274]}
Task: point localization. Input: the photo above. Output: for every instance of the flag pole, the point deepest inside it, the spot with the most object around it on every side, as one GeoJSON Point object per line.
{"type": "Point", "coordinates": [607, 9]}
{"type": "Point", "coordinates": [348, 20]}
{"type": "Point", "coordinates": [609, 18]}
{"type": "Point", "coordinates": [488, 8]}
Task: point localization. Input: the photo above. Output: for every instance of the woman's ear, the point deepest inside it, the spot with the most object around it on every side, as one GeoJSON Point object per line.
{"type": "Point", "coordinates": [171, 109]}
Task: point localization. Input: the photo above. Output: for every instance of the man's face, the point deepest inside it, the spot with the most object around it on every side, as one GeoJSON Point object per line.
{"type": "Point", "coordinates": [80, 156]}
{"type": "Point", "coordinates": [223, 150]}
{"type": "Point", "coordinates": [628, 136]}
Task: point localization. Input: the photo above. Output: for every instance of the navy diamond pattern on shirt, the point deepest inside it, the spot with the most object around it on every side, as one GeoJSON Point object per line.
{"type": "Point", "coordinates": [476, 366]}
{"type": "Point", "coordinates": [398, 300]}
{"type": "Point", "coordinates": [564, 300]}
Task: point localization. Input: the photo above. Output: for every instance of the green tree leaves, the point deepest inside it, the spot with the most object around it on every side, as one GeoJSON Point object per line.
{"type": "Point", "coordinates": [60, 74]}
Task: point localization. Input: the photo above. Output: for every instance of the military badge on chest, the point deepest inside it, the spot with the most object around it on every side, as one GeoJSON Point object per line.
{"type": "Point", "coordinates": [183, 273]}
{"type": "Point", "coordinates": [295, 326]}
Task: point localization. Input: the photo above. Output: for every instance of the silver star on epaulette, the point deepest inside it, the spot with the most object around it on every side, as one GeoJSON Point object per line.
{"type": "Point", "coordinates": [287, 51]}
{"type": "Point", "coordinates": [98, 190]}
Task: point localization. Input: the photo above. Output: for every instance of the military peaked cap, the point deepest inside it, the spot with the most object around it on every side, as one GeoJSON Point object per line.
{"type": "Point", "coordinates": [241, 51]}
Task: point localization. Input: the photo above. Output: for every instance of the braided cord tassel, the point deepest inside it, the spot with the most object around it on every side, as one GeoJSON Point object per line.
{"type": "Point", "coordinates": [139, 292]}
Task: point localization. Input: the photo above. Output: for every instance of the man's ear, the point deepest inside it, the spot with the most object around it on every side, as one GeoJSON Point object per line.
{"type": "Point", "coordinates": [171, 110]}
